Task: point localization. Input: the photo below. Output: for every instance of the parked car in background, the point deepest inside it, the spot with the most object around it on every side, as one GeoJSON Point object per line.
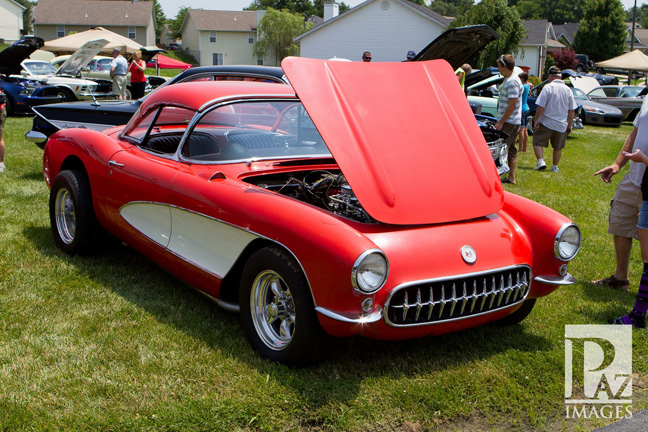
{"type": "Point", "coordinates": [98, 69]}
{"type": "Point", "coordinates": [588, 111]}
{"type": "Point", "coordinates": [584, 63]}
{"type": "Point", "coordinates": [625, 98]}
{"type": "Point", "coordinates": [70, 88]}
{"type": "Point", "coordinates": [602, 79]}
{"type": "Point", "coordinates": [303, 214]}
{"type": "Point", "coordinates": [173, 46]}
{"type": "Point", "coordinates": [23, 93]}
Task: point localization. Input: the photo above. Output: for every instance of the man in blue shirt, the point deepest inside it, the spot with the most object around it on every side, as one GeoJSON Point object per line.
{"type": "Point", "coordinates": [118, 70]}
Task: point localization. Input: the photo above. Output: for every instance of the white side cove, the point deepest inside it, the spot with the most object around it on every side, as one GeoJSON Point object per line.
{"type": "Point", "coordinates": [205, 242]}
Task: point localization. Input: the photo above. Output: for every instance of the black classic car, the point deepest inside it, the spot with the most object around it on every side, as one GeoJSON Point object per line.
{"type": "Point", "coordinates": [23, 93]}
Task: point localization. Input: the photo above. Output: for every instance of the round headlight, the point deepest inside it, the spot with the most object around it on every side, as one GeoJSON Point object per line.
{"type": "Point", "coordinates": [370, 271]}
{"type": "Point", "coordinates": [568, 242]}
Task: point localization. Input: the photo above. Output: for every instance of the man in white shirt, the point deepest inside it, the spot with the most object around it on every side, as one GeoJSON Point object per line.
{"type": "Point", "coordinates": [118, 71]}
{"type": "Point", "coordinates": [553, 120]}
{"type": "Point", "coordinates": [624, 208]}
{"type": "Point", "coordinates": [509, 110]}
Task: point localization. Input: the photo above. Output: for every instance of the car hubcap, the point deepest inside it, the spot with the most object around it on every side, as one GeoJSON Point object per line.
{"type": "Point", "coordinates": [65, 216]}
{"type": "Point", "coordinates": [273, 310]}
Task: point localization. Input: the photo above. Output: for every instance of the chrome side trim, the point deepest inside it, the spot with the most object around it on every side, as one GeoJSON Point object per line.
{"type": "Point", "coordinates": [35, 137]}
{"type": "Point", "coordinates": [556, 280]}
{"type": "Point", "coordinates": [352, 319]}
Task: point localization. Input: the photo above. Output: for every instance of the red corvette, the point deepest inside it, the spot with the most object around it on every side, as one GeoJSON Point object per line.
{"type": "Point", "coordinates": [360, 200]}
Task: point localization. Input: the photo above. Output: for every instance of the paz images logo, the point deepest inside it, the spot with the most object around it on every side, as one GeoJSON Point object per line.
{"type": "Point", "coordinates": [598, 371]}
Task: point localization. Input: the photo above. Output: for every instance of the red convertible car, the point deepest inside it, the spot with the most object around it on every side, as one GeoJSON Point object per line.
{"type": "Point", "coordinates": [361, 200]}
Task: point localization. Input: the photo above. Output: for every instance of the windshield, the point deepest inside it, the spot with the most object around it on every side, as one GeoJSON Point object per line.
{"type": "Point", "coordinates": [579, 94]}
{"type": "Point", "coordinates": [254, 130]}
{"type": "Point", "coordinates": [39, 68]}
{"type": "Point", "coordinates": [631, 91]}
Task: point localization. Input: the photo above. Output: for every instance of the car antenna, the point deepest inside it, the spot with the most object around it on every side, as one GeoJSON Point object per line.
{"type": "Point", "coordinates": [94, 99]}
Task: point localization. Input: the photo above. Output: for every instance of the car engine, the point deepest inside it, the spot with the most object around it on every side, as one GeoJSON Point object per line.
{"type": "Point", "coordinates": [325, 189]}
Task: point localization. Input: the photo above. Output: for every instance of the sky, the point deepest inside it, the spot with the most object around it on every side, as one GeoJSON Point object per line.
{"type": "Point", "coordinates": [171, 7]}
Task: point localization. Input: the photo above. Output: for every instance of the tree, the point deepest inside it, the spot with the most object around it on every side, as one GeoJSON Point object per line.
{"type": "Point", "coordinates": [27, 15]}
{"type": "Point", "coordinates": [277, 31]}
{"type": "Point", "coordinates": [304, 7]}
{"type": "Point", "coordinates": [602, 32]}
{"type": "Point", "coordinates": [565, 58]}
{"type": "Point", "coordinates": [175, 25]}
{"type": "Point", "coordinates": [160, 18]}
{"type": "Point", "coordinates": [450, 7]}
{"type": "Point", "coordinates": [529, 9]}
{"type": "Point", "coordinates": [504, 20]}
{"type": "Point", "coordinates": [562, 11]}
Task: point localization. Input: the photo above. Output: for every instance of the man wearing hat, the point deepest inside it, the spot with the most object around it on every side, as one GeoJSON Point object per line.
{"type": "Point", "coordinates": [410, 55]}
{"type": "Point", "coordinates": [553, 120]}
{"type": "Point", "coordinates": [118, 70]}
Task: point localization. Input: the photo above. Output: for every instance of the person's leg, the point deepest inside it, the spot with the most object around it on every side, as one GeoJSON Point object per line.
{"type": "Point", "coordinates": [512, 131]}
{"type": "Point", "coordinates": [3, 116]}
{"type": "Point", "coordinates": [557, 153]}
{"type": "Point", "coordinates": [637, 317]}
{"type": "Point", "coordinates": [540, 141]}
{"type": "Point", "coordinates": [622, 249]}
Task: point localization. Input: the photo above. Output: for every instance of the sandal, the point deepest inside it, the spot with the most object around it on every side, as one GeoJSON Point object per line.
{"type": "Point", "coordinates": [614, 283]}
{"type": "Point", "coordinates": [506, 180]}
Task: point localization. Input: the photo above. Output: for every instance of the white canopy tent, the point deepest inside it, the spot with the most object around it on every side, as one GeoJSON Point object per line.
{"type": "Point", "coordinates": [634, 61]}
{"type": "Point", "coordinates": [71, 43]}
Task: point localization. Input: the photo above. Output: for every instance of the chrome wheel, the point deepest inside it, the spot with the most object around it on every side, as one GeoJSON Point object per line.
{"type": "Point", "coordinates": [65, 215]}
{"type": "Point", "coordinates": [273, 310]}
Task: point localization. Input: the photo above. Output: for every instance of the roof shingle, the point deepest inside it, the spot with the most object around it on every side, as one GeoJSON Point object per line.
{"type": "Point", "coordinates": [223, 20]}
{"type": "Point", "coordinates": [93, 13]}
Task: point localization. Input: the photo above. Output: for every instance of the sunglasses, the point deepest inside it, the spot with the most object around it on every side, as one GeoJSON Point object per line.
{"type": "Point", "coordinates": [501, 60]}
{"type": "Point", "coordinates": [366, 57]}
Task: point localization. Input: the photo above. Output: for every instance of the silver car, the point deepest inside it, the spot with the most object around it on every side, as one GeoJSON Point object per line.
{"type": "Point", "coordinates": [626, 98]}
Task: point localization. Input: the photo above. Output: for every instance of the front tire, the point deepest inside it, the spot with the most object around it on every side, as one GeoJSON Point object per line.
{"type": "Point", "coordinates": [71, 213]}
{"type": "Point", "coordinates": [519, 315]}
{"type": "Point", "coordinates": [277, 310]}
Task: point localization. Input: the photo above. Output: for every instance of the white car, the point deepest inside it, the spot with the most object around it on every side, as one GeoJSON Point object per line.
{"type": "Point", "coordinates": [70, 88]}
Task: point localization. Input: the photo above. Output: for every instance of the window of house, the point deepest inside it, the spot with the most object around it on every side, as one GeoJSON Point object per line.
{"type": "Point", "coordinates": [217, 58]}
{"type": "Point", "coordinates": [260, 62]}
{"type": "Point", "coordinates": [212, 37]}
{"type": "Point", "coordinates": [251, 38]}
{"type": "Point", "coordinates": [131, 32]}
{"type": "Point", "coordinates": [60, 31]}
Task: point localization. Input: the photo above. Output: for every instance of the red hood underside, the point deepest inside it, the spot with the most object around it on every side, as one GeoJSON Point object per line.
{"type": "Point", "coordinates": [404, 136]}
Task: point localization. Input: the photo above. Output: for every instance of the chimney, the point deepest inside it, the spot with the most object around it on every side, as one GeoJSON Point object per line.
{"type": "Point", "coordinates": [331, 10]}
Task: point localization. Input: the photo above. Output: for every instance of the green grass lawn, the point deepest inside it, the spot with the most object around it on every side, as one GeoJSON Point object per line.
{"type": "Point", "coordinates": [112, 342]}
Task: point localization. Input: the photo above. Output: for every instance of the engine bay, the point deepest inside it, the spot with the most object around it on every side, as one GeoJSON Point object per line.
{"type": "Point", "coordinates": [326, 189]}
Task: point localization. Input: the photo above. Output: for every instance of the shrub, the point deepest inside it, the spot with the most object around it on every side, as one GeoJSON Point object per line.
{"type": "Point", "coordinates": [565, 58]}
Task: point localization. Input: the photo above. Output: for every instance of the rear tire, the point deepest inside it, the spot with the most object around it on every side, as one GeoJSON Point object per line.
{"type": "Point", "coordinates": [519, 315]}
{"type": "Point", "coordinates": [67, 95]}
{"type": "Point", "coordinates": [277, 310]}
{"type": "Point", "coordinates": [72, 216]}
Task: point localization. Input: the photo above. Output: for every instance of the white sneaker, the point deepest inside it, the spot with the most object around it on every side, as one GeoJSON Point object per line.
{"type": "Point", "coordinates": [2, 167]}
{"type": "Point", "coordinates": [554, 168]}
{"type": "Point", "coordinates": [540, 166]}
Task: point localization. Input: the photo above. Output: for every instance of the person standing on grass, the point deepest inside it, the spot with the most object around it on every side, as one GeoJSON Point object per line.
{"type": "Point", "coordinates": [524, 132]}
{"type": "Point", "coordinates": [118, 70]}
{"type": "Point", "coordinates": [627, 201]}
{"type": "Point", "coordinates": [137, 78]}
{"type": "Point", "coordinates": [509, 110]}
{"type": "Point", "coordinates": [553, 120]}
{"type": "Point", "coordinates": [3, 117]}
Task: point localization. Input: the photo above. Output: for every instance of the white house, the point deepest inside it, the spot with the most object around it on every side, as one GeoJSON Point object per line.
{"type": "Point", "coordinates": [386, 28]}
{"type": "Point", "coordinates": [540, 40]}
{"type": "Point", "coordinates": [221, 37]}
{"type": "Point", "coordinates": [11, 20]}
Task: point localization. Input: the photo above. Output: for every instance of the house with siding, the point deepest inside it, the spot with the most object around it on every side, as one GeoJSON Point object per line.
{"type": "Point", "coordinates": [540, 40]}
{"type": "Point", "coordinates": [386, 28]}
{"type": "Point", "coordinates": [11, 20]}
{"type": "Point", "coordinates": [216, 37]}
{"type": "Point", "coordinates": [57, 18]}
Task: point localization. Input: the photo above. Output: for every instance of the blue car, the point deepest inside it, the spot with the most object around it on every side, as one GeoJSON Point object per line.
{"type": "Point", "coordinates": [22, 93]}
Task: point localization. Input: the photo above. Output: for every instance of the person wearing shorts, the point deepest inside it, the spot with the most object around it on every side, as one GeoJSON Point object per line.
{"type": "Point", "coordinates": [553, 120]}
{"type": "Point", "coordinates": [509, 110]}
{"type": "Point", "coordinates": [118, 70]}
{"type": "Point", "coordinates": [627, 201]}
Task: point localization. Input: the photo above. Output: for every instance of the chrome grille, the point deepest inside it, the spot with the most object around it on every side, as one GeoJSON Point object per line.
{"type": "Point", "coordinates": [455, 298]}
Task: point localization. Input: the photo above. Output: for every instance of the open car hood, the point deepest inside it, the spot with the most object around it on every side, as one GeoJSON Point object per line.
{"type": "Point", "coordinates": [458, 45]}
{"type": "Point", "coordinates": [81, 57]}
{"type": "Point", "coordinates": [403, 135]}
{"type": "Point", "coordinates": [14, 54]}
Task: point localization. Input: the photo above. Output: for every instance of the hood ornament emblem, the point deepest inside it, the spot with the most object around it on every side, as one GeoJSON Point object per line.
{"type": "Point", "coordinates": [468, 254]}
